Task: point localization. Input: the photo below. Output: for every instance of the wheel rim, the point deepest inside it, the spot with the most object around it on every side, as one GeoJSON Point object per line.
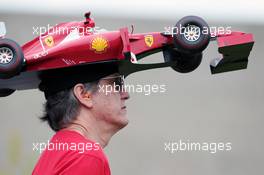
{"type": "Point", "coordinates": [192, 33]}
{"type": "Point", "coordinates": [6, 55]}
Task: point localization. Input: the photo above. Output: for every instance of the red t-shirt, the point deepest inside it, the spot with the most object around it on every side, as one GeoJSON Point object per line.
{"type": "Point", "coordinates": [70, 153]}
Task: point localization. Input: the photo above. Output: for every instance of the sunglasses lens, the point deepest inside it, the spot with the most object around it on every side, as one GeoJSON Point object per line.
{"type": "Point", "coordinates": [119, 83]}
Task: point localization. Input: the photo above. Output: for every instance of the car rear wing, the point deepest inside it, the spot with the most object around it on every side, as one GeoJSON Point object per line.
{"type": "Point", "coordinates": [2, 29]}
{"type": "Point", "coordinates": [235, 49]}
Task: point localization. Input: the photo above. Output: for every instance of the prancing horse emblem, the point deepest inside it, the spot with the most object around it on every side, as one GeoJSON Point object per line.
{"type": "Point", "coordinates": [149, 40]}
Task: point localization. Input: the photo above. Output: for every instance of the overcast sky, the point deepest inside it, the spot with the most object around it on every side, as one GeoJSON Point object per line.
{"type": "Point", "coordinates": [242, 11]}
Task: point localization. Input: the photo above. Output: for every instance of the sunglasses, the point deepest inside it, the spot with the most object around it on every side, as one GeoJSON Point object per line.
{"type": "Point", "coordinates": [118, 81]}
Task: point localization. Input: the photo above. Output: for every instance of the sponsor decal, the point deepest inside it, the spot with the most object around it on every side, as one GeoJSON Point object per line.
{"type": "Point", "coordinates": [49, 41]}
{"type": "Point", "coordinates": [40, 54]}
{"type": "Point", "coordinates": [149, 40]}
{"type": "Point", "coordinates": [99, 44]}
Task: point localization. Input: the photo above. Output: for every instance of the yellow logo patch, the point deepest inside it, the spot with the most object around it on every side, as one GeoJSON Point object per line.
{"type": "Point", "coordinates": [149, 40]}
{"type": "Point", "coordinates": [99, 44]}
{"type": "Point", "coordinates": [49, 41]}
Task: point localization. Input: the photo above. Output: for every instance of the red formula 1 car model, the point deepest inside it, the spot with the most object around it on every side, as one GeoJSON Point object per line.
{"type": "Point", "coordinates": [81, 43]}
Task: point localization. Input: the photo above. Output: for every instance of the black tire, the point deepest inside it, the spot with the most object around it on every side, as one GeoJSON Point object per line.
{"type": "Point", "coordinates": [11, 58]}
{"type": "Point", "coordinates": [191, 34]}
{"type": "Point", "coordinates": [6, 92]}
{"type": "Point", "coordinates": [185, 63]}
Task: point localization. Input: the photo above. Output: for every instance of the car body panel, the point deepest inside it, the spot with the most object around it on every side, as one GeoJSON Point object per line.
{"type": "Point", "coordinates": [84, 43]}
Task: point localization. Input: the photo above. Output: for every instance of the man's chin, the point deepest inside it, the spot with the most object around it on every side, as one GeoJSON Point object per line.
{"type": "Point", "coordinates": [123, 122]}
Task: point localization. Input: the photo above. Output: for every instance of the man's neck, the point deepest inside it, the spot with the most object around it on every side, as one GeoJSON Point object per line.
{"type": "Point", "coordinates": [93, 130]}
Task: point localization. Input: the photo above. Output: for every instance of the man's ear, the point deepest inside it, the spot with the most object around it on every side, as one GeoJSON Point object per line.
{"type": "Point", "coordinates": [82, 95]}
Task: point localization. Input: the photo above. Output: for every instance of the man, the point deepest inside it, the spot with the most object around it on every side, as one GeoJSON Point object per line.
{"type": "Point", "coordinates": [84, 117]}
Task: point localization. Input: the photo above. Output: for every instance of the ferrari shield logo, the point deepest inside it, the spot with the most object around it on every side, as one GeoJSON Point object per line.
{"type": "Point", "coordinates": [149, 40]}
{"type": "Point", "coordinates": [49, 41]}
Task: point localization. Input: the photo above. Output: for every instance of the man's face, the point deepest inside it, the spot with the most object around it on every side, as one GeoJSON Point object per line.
{"type": "Point", "coordinates": [109, 101]}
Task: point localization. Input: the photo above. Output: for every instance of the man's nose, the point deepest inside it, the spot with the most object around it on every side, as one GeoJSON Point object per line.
{"type": "Point", "coordinates": [124, 95]}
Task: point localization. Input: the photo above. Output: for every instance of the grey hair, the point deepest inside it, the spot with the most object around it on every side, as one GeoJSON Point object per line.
{"type": "Point", "coordinates": [62, 108]}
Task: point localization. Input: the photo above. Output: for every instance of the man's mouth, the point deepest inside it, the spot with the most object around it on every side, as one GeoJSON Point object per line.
{"type": "Point", "coordinates": [124, 107]}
